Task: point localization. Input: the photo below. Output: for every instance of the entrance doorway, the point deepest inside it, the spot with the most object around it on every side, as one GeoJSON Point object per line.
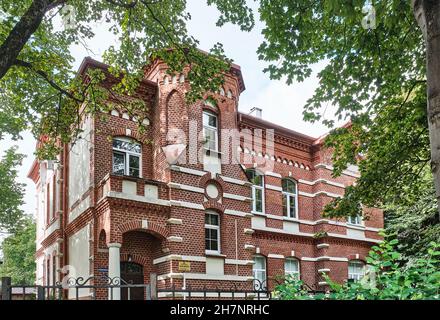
{"type": "Point", "coordinates": [132, 273]}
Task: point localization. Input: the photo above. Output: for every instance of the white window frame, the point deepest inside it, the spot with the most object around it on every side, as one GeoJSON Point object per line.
{"type": "Point", "coordinates": [254, 192]}
{"type": "Point", "coordinates": [290, 272]}
{"type": "Point", "coordinates": [213, 227]}
{"type": "Point", "coordinates": [356, 276]}
{"type": "Point", "coordinates": [263, 271]}
{"type": "Point", "coordinates": [127, 155]}
{"type": "Point", "coordinates": [288, 195]}
{"type": "Point", "coordinates": [355, 221]}
{"type": "Point", "coordinates": [206, 126]}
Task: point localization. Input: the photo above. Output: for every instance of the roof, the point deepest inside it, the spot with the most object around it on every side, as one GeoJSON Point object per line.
{"type": "Point", "coordinates": [278, 129]}
{"type": "Point", "coordinates": [89, 62]}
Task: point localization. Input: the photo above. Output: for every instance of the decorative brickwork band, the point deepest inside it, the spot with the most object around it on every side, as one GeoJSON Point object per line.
{"type": "Point", "coordinates": [121, 131]}
{"type": "Point", "coordinates": [214, 205]}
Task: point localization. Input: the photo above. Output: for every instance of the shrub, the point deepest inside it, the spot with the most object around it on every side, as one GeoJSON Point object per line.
{"type": "Point", "coordinates": [388, 278]}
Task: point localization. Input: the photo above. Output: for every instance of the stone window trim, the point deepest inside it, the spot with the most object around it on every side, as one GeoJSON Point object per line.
{"type": "Point", "coordinates": [257, 189]}
{"type": "Point", "coordinates": [215, 227]}
{"type": "Point", "coordinates": [206, 126]}
{"type": "Point", "coordinates": [356, 269]}
{"type": "Point", "coordinates": [290, 195]}
{"type": "Point", "coordinates": [259, 271]}
{"type": "Point", "coordinates": [355, 221]}
{"type": "Point", "coordinates": [288, 264]}
{"type": "Point", "coordinates": [127, 155]}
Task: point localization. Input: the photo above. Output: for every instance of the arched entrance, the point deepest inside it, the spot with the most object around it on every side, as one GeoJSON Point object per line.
{"type": "Point", "coordinates": [132, 273]}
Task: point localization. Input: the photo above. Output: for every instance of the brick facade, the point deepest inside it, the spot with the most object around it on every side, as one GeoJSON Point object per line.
{"type": "Point", "coordinates": [158, 218]}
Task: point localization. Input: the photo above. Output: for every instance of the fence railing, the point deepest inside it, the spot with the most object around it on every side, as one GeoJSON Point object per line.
{"type": "Point", "coordinates": [91, 288]}
{"type": "Point", "coordinates": [105, 288]}
{"type": "Point", "coordinates": [250, 290]}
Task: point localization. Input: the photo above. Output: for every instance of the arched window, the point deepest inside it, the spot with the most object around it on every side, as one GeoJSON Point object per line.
{"type": "Point", "coordinates": [222, 91]}
{"type": "Point", "coordinates": [259, 271]}
{"type": "Point", "coordinates": [210, 130]}
{"type": "Point", "coordinates": [126, 157]}
{"type": "Point", "coordinates": [290, 198]}
{"type": "Point", "coordinates": [257, 190]}
{"type": "Point", "coordinates": [212, 232]}
{"type": "Point", "coordinates": [291, 267]}
{"type": "Point", "coordinates": [356, 270]}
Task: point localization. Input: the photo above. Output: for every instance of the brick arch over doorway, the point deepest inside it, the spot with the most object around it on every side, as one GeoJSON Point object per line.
{"type": "Point", "coordinates": [141, 247]}
{"type": "Point", "coordinates": [154, 228]}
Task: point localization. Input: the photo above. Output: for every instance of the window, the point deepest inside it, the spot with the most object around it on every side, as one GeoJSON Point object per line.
{"type": "Point", "coordinates": [355, 219]}
{"type": "Point", "coordinates": [356, 270]}
{"type": "Point", "coordinates": [290, 198]}
{"type": "Point", "coordinates": [126, 157]}
{"type": "Point", "coordinates": [291, 267]}
{"type": "Point", "coordinates": [212, 232]}
{"type": "Point", "coordinates": [49, 199]}
{"type": "Point", "coordinates": [210, 128]}
{"type": "Point", "coordinates": [259, 272]}
{"type": "Point", "coordinates": [257, 190]}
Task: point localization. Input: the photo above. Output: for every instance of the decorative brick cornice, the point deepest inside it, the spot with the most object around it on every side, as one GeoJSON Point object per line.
{"type": "Point", "coordinates": [133, 204]}
{"type": "Point", "coordinates": [79, 222]}
{"type": "Point", "coordinates": [48, 241]}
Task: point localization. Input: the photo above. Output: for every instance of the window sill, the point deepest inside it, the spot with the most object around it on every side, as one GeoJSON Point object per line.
{"type": "Point", "coordinates": [355, 226]}
{"type": "Point", "coordinates": [214, 254]}
{"type": "Point", "coordinates": [290, 219]}
{"type": "Point", "coordinates": [257, 213]}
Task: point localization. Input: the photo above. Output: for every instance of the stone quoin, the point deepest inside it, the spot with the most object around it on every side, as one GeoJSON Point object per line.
{"type": "Point", "coordinates": [134, 203]}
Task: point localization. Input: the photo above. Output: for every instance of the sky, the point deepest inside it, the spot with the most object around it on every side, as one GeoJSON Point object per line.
{"type": "Point", "coordinates": [281, 104]}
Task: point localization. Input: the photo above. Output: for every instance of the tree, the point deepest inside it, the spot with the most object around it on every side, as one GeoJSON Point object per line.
{"type": "Point", "coordinates": [11, 192]}
{"type": "Point", "coordinates": [19, 254]}
{"type": "Point", "coordinates": [379, 65]}
{"type": "Point", "coordinates": [40, 90]}
{"type": "Point", "coordinates": [427, 13]}
{"type": "Point", "coordinates": [415, 224]}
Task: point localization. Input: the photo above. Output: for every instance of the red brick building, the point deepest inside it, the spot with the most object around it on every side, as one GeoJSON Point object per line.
{"type": "Point", "coordinates": [129, 202]}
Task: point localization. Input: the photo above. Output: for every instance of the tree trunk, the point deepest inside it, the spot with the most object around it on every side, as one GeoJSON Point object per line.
{"type": "Point", "coordinates": [427, 14]}
{"type": "Point", "coordinates": [20, 34]}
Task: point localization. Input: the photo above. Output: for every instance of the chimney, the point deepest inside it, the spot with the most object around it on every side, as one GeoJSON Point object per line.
{"type": "Point", "coordinates": [256, 112]}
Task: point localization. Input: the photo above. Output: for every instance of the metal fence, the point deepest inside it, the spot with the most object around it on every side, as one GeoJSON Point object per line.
{"type": "Point", "coordinates": [92, 288]}
{"type": "Point", "coordinates": [252, 290]}
{"type": "Point", "coordinates": [105, 288]}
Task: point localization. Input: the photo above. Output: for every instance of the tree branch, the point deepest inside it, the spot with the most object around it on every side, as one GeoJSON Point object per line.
{"type": "Point", "coordinates": [22, 31]}
{"type": "Point", "coordinates": [122, 4]}
{"type": "Point", "coordinates": [45, 76]}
